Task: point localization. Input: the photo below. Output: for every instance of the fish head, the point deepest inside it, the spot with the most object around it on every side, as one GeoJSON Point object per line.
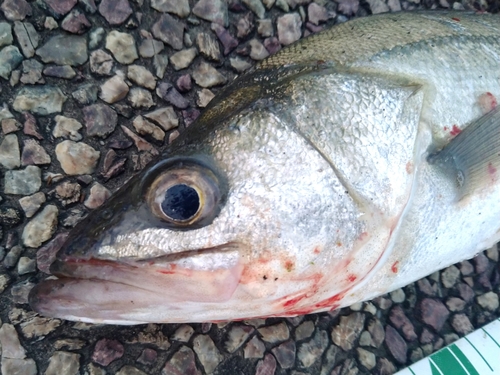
{"type": "Point", "coordinates": [224, 226]}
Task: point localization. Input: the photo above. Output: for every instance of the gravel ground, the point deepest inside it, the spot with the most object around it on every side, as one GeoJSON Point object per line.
{"type": "Point", "coordinates": [92, 91]}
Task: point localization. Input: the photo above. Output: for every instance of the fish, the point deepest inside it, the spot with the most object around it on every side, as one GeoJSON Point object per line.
{"type": "Point", "coordinates": [347, 165]}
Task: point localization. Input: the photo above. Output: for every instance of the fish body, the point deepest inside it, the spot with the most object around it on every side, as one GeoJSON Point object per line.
{"type": "Point", "coordinates": [346, 166]}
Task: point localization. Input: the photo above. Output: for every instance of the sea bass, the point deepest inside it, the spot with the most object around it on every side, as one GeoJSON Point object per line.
{"type": "Point", "coordinates": [347, 165]}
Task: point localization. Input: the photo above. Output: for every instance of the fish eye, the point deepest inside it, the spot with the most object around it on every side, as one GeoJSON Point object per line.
{"type": "Point", "coordinates": [184, 197]}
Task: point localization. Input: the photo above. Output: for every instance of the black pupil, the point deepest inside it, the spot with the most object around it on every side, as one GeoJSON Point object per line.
{"type": "Point", "coordinates": [181, 202]}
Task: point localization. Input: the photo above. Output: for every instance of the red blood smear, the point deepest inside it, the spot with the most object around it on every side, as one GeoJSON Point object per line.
{"type": "Point", "coordinates": [455, 130]}
{"type": "Point", "coordinates": [292, 302]}
{"type": "Point", "coordinates": [456, 19]}
{"type": "Point", "coordinates": [351, 278]}
{"type": "Point", "coordinates": [394, 267]}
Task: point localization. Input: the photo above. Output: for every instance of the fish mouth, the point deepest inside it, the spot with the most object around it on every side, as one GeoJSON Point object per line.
{"type": "Point", "coordinates": [112, 292]}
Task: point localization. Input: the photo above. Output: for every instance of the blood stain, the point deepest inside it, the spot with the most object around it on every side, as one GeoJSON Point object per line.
{"type": "Point", "coordinates": [455, 130]}
{"type": "Point", "coordinates": [289, 265]}
{"type": "Point", "coordinates": [351, 278]}
{"type": "Point", "coordinates": [394, 267]}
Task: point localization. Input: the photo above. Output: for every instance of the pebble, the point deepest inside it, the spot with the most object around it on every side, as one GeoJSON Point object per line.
{"type": "Point", "coordinates": [285, 354]}
{"type": "Point", "coordinates": [23, 182]}
{"type": "Point", "coordinates": [101, 62]}
{"type": "Point", "coordinates": [266, 366]}
{"type": "Point", "coordinates": [38, 327]}
{"type": "Point", "coordinates": [64, 71]}
{"type": "Point", "coordinates": [68, 192]}
{"type": "Point", "coordinates": [348, 330]}
{"type": "Point", "coordinates": [140, 143]}
{"type": "Point", "coordinates": [265, 28]}
{"type": "Point", "coordinates": [449, 276]}
{"type": "Point", "coordinates": [305, 330]}
{"type": "Point", "coordinates": [208, 46]}
{"type": "Point", "coordinates": [204, 97]}
{"type": "Point", "coordinates": [141, 76]}
{"type": "Point", "coordinates": [168, 93]}
{"type": "Point", "coordinates": [289, 28]}
{"type": "Point", "coordinates": [182, 362]}
{"type": "Point", "coordinates": [141, 98]}
{"type": "Point", "coordinates": [75, 22]}
{"type": "Point", "coordinates": [69, 344]}
{"type": "Point", "coordinates": [27, 38]}
{"type": "Point", "coordinates": [207, 352]}
{"type": "Point", "coordinates": [239, 65]}
{"type": "Point", "coordinates": [150, 47]}
{"type": "Point", "coordinates": [67, 127]}
{"type": "Point", "coordinates": [275, 333]}
{"type": "Point", "coordinates": [466, 292]}
{"type": "Point", "coordinates": [61, 7]}
{"type": "Point", "coordinates": [237, 337]}
{"type": "Point", "coordinates": [378, 6]}
{"type": "Point", "coordinates": [144, 127]}
{"type": "Point", "coordinates": [9, 341]}
{"type": "Point", "coordinates": [100, 120]}
{"type": "Point", "coordinates": [50, 23]}
{"type": "Point", "coordinates": [212, 10]}
{"type": "Point", "coordinates": [182, 59]}
{"type": "Point", "coordinates": [122, 46]}
{"type": "Point", "coordinates": [310, 351]}
{"type": "Point", "coordinates": [481, 263]}
{"type": "Point", "coordinates": [10, 58]}
{"type": "Point", "coordinates": [64, 49]}
{"type": "Point", "coordinates": [16, 10]}
{"type": "Point", "coordinates": [254, 349]}
{"type": "Point", "coordinates": [130, 370]}
{"type": "Point", "coordinates": [228, 41]}
{"type": "Point", "coordinates": [257, 50]}
{"type": "Point", "coordinates": [42, 100]}
{"type": "Point", "coordinates": [207, 76]}
{"type": "Point", "coordinates": [401, 322]}
{"type": "Point", "coordinates": [114, 89]}
{"type": "Point", "coordinates": [461, 324]}
{"type": "Point", "coordinates": [432, 312]}
{"type": "Point", "coordinates": [244, 26]}
{"type": "Point", "coordinates": [115, 11]}
{"type": "Point", "coordinates": [455, 304]}
{"type": "Point", "coordinates": [396, 345]}
{"type": "Point", "coordinates": [366, 358]}
{"type": "Point", "coordinates": [34, 153]}
{"type": "Point", "coordinates": [272, 45]}
{"type": "Point", "coordinates": [20, 292]}
{"type": "Point", "coordinates": [26, 265]}
{"type": "Point", "coordinates": [106, 351]}
{"type": "Point", "coordinates": [9, 152]}
{"type": "Point", "coordinates": [160, 63]}
{"type": "Point", "coordinates": [32, 203]}
{"type": "Point", "coordinates": [148, 356]}
{"type": "Point", "coordinates": [466, 268]}
{"type": "Point", "coordinates": [41, 227]}
{"type": "Point", "coordinates": [10, 125]}
{"type": "Point", "coordinates": [63, 363]}
{"type": "Point", "coordinates": [165, 117]}
{"type": "Point", "coordinates": [76, 157]}
{"type": "Point", "coordinates": [178, 7]}
{"type": "Point", "coordinates": [85, 94]}
{"type": "Point", "coordinates": [183, 333]}
{"type": "Point", "coordinates": [488, 301]}
{"type": "Point", "coordinates": [12, 256]}
{"type": "Point", "coordinates": [169, 31]}
{"type": "Point", "coordinates": [4, 282]}
{"type": "Point", "coordinates": [32, 72]}
{"type": "Point", "coordinates": [317, 13]}
{"type": "Point", "coordinates": [98, 195]}
{"type": "Point", "coordinates": [398, 296]}
{"type": "Point", "coordinates": [5, 34]}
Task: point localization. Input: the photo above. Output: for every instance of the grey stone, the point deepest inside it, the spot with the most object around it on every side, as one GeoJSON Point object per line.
{"type": "Point", "coordinates": [106, 351]}
{"type": "Point", "coordinates": [98, 195]}
{"type": "Point", "coordinates": [310, 351]}
{"type": "Point", "coordinates": [378, 6]}
{"type": "Point", "coordinates": [140, 98]}
{"type": "Point", "coordinates": [169, 31]}
{"type": "Point", "coordinates": [207, 76]}
{"type": "Point", "coordinates": [366, 358]}
{"type": "Point", "coordinates": [41, 227]}
{"type": "Point", "coordinates": [75, 22]}
{"type": "Point", "coordinates": [348, 330]}
{"type": "Point", "coordinates": [455, 304]}
{"type": "Point", "coordinates": [100, 120]}
{"type": "Point", "coordinates": [32, 72]}
{"type": "Point", "coordinates": [168, 93]}
{"type": "Point", "coordinates": [212, 10]}
{"type": "Point", "coordinates": [95, 37]}
{"type": "Point", "coordinates": [183, 333]}
{"type": "Point", "coordinates": [228, 41]}
{"type": "Point", "coordinates": [285, 354]}
{"type": "Point", "coordinates": [401, 322]}
{"type": "Point", "coordinates": [265, 28]}
{"type": "Point", "coordinates": [10, 58]}
{"type": "Point", "coordinates": [239, 65]}
{"type": "Point", "coordinates": [64, 71]}
{"type": "Point", "coordinates": [266, 366]}
{"type": "Point", "coordinates": [204, 97]}
{"type": "Point", "coordinates": [141, 76]}
{"type": "Point", "coordinates": [27, 37]}
{"type": "Point", "coordinates": [76, 157]}
{"type": "Point", "coordinates": [398, 296]}
{"type": "Point", "coordinates": [18, 366]}
{"type": "Point", "coordinates": [254, 348]}
{"type": "Point", "coordinates": [20, 292]}
{"type": "Point", "coordinates": [182, 59]}
{"type": "Point", "coordinates": [101, 62]}
{"type": "Point", "coordinates": [257, 50]}
{"type": "Point", "coordinates": [449, 276]}
{"type": "Point", "coordinates": [122, 46]}
{"type": "Point", "coordinates": [68, 192]}
{"type": "Point", "coordinates": [245, 26]}
{"type": "Point", "coordinates": [23, 182]}
{"type": "Point", "coordinates": [317, 13]}
{"type": "Point", "coordinates": [304, 331]}
{"type": "Point", "coordinates": [115, 11]}
{"type": "Point", "coordinates": [150, 47]}
{"type": "Point", "coordinates": [177, 7]}
{"type": "Point", "coordinates": [182, 362]}
{"type": "Point", "coordinates": [396, 344]}
{"type": "Point", "coordinates": [16, 10]}
{"type": "Point", "coordinates": [237, 337]}
{"type": "Point", "coordinates": [60, 7]}
{"type": "Point", "coordinates": [32, 203]}
{"type": "Point", "coordinates": [130, 370]}
{"type": "Point", "coordinates": [432, 312]}
{"type": "Point", "coordinates": [12, 257]}
{"type": "Point", "coordinates": [67, 127]}
{"type": "Point", "coordinates": [160, 63]}
{"type": "Point", "coordinates": [34, 153]}
{"type": "Point", "coordinates": [114, 89]}
{"type": "Point", "coordinates": [208, 46]}
{"type": "Point", "coordinates": [207, 352]}
{"type": "Point", "coordinates": [144, 127]}
{"type": "Point", "coordinates": [63, 363]}
{"type": "Point", "coordinates": [9, 152]}
{"type": "Point", "coordinates": [9, 341]}
{"type": "Point", "coordinates": [5, 34]}
{"type": "Point", "coordinates": [289, 28]}
{"type": "Point", "coordinates": [4, 282]}
{"type": "Point", "coordinates": [256, 7]}
{"type": "Point", "coordinates": [461, 324]}
{"type": "Point", "coordinates": [275, 333]}
{"type": "Point", "coordinates": [42, 100]}
{"type": "Point", "coordinates": [85, 94]}
{"type": "Point", "coordinates": [64, 49]}
{"type": "Point", "coordinates": [488, 301]}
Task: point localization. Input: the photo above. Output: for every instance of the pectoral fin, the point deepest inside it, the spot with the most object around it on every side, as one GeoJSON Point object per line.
{"type": "Point", "coordinates": [473, 156]}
